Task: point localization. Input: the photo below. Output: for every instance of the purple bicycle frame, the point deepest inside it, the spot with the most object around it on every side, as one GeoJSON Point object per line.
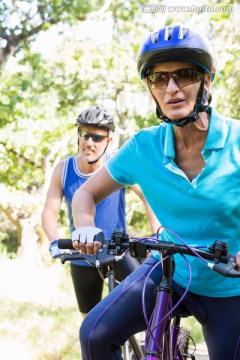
{"type": "Point", "coordinates": [161, 338]}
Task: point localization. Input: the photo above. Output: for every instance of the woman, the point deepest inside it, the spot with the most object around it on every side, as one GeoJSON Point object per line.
{"type": "Point", "coordinates": [188, 169]}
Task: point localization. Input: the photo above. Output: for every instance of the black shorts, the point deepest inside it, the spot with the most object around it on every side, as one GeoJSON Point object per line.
{"type": "Point", "coordinates": [88, 284]}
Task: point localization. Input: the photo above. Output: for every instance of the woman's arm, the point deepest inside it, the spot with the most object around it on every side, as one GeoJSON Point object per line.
{"type": "Point", "coordinates": [97, 188]}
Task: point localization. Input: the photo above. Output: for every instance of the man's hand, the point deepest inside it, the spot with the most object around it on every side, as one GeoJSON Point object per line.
{"type": "Point", "coordinates": [54, 250]}
{"type": "Point", "coordinates": [87, 239]}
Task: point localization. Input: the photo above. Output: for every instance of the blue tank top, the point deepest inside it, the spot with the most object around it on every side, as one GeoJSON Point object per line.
{"type": "Point", "coordinates": [110, 212]}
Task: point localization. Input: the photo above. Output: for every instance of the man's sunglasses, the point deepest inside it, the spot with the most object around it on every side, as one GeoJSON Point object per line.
{"type": "Point", "coordinates": [95, 137]}
{"type": "Point", "coordinates": [182, 77]}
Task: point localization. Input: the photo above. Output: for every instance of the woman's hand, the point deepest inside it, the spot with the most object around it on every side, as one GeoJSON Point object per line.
{"type": "Point", "coordinates": [87, 239]}
{"type": "Point", "coordinates": [238, 260]}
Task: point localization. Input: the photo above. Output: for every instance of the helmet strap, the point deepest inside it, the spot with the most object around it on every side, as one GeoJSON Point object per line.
{"type": "Point", "coordinates": [96, 160]}
{"type": "Point", "coordinates": [193, 116]}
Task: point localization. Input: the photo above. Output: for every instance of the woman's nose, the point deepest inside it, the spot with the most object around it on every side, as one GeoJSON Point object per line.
{"type": "Point", "coordinates": [172, 86]}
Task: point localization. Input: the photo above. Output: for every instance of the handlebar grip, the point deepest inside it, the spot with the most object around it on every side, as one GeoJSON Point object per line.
{"type": "Point", "coordinates": [65, 244]}
{"type": "Point", "coordinates": [229, 270]}
{"type": "Point", "coordinates": [226, 272]}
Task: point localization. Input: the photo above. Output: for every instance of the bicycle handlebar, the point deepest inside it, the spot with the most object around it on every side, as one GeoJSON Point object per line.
{"type": "Point", "coordinates": [65, 244]}
{"type": "Point", "coordinates": [110, 253]}
{"type": "Point", "coordinates": [102, 258]}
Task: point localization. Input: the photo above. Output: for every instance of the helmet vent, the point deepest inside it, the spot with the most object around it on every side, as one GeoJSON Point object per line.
{"type": "Point", "coordinates": [182, 33]}
{"type": "Point", "coordinates": [168, 34]}
{"type": "Point", "coordinates": [155, 37]}
{"type": "Point", "coordinates": [96, 116]}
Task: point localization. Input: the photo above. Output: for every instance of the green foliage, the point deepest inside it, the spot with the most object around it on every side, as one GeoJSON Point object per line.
{"type": "Point", "coordinates": [147, 121]}
{"type": "Point", "coordinates": [9, 242]}
{"type": "Point", "coordinates": [225, 30]}
{"type": "Point", "coordinates": [32, 118]}
{"type": "Point", "coordinates": [195, 329]}
{"type": "Point", "coordinates": [228, 101]}
{"type": "Point", "coordinates": [41, 94]}
{"type": "Point", "coordinates": [22, 20]}
{"type": "Point", "coordinates": [136, 217]}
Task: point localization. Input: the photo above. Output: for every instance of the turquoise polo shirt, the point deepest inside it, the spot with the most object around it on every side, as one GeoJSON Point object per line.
{"type": "Point", "coordinates": [199, 211]}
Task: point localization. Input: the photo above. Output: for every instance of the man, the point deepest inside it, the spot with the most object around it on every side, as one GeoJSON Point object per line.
{"type": "Point", "coordinates": [95, 127]}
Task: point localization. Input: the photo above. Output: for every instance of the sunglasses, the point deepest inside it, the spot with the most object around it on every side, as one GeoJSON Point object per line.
{"type": "Point", "coordinates": [182, 77]}
{"type": "Point", "coordinates": [95, 137]}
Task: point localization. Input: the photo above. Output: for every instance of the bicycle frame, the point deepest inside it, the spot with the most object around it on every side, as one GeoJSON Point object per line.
{"type": "Point", "coordinates": [161, 337]}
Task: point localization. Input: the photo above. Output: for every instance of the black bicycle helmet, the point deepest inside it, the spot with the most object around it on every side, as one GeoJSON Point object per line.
{"type": "Point", "coordinates": [96, 116]}
{"type": "Point", "coordinates": [178, 43]}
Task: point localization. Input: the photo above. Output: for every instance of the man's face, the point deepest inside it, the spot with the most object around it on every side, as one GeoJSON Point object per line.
{"type": "Point", "coordinates": [92, 142]}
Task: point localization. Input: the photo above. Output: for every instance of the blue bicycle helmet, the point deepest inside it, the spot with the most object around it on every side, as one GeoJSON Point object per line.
{"type": "Point", "coordinates": [178, 43]}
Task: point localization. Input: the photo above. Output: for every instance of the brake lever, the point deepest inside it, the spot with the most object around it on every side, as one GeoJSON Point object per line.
{"type": "Point", "coordinates": [102, 258]}
{"type": "Point", "coordinates": [229, 270]}
{"type": "Point", "coordinates": [78, 256]}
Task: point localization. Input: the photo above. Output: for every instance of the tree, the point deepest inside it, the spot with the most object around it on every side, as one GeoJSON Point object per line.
{"type": "Point", "coordinates": [37, 99]}
{"type": "Point", "coordinates": [225, 30]}
{"type": "Point", "coordinates": [40, 96]}
{"type": "Point", "coordinates": [31, 96]}
{"type": "Point", "coordinates": [21, 21]}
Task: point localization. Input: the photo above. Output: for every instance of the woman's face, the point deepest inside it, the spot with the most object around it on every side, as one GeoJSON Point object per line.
{"type": "Point", "coordinates": [177, 101]}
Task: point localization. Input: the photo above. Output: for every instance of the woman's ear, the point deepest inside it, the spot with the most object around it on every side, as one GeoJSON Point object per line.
{"type": "Point", "coordinates": [207, 86]}
{"type": "Point", "coordinates": [207, 81]}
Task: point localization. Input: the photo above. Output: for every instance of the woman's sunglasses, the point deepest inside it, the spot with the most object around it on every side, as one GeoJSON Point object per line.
{"type": "Point", "coordinates": [182, 77]}
{"type": "Point", "coordinates": [95, 137]}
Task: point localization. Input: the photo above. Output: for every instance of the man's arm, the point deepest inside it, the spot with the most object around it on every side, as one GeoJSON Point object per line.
{"type": "Point", "coordinates": [153, 221]}
{"type": "Point", "coordinates": [53, 203]}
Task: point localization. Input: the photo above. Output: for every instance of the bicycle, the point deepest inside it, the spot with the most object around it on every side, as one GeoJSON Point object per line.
{"type": "Point", "coordinates": [164, 338]}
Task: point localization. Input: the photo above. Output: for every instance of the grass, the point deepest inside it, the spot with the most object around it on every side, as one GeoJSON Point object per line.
{"type": "Point", "coordinates": [39, 318]}
{"type": "Point", "coordinates": [45, 333]}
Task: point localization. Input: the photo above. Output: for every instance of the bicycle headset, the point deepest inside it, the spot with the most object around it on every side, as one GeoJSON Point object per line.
{"type": "Point", "coordinates": [98, 117]}
{"type": "Point", "coordinates": [178, 43]}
